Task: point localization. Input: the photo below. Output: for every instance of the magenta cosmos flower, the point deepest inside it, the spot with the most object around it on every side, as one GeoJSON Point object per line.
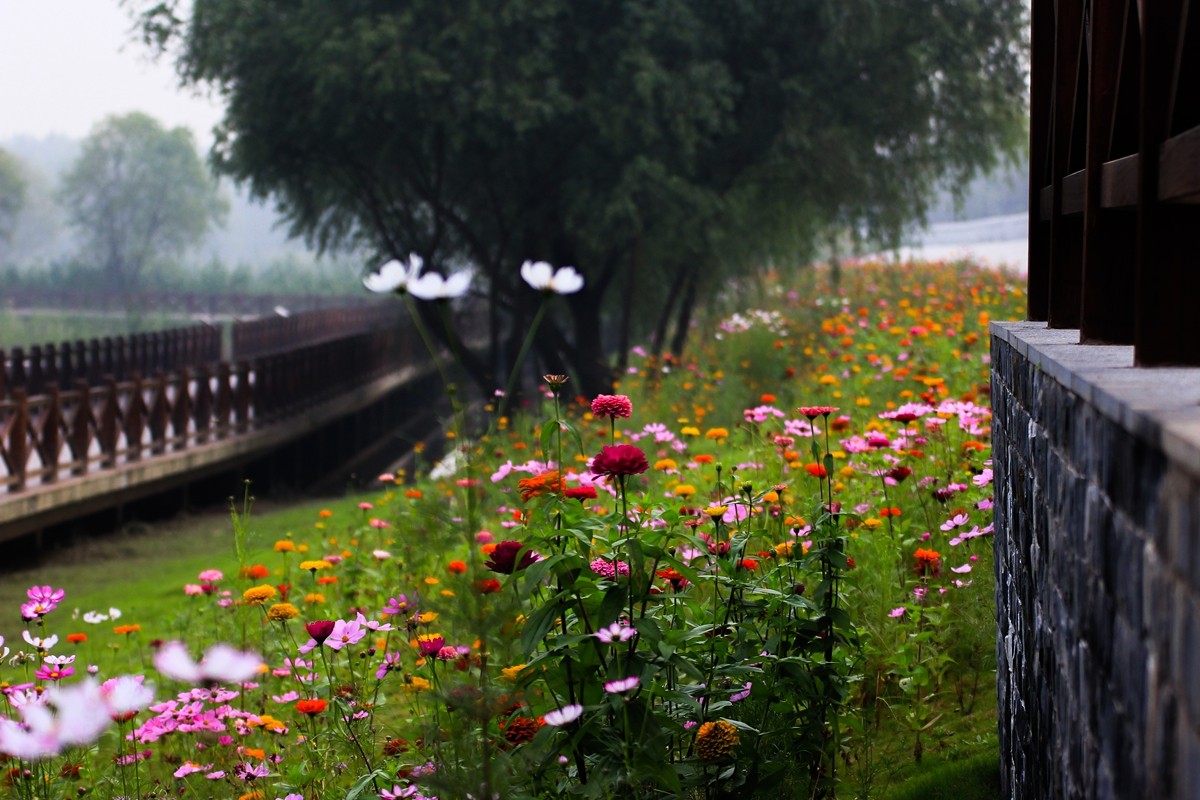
{"type": "Point", "coordinates": [620, 459]}
{"type": "Point", "coordinates": [612, 405]}
{"type": "Point", "coordinates": [504, 558]}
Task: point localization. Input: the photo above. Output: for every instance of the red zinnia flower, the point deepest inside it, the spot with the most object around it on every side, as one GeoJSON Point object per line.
{"type": "Point", "coordinates": [581, 493]}
{"type": "Point", "coordinates": [311, 707]}
{"type": "Point", "coordinates": [812, 412]}
{"type": "Point", "coordinates": [612, 405]}
{"type": "Point", "coordinates": [816, 470]}
{"type": "Point", "coordinates": [457, 567]}
{"type": "Point", "coordinates": [504, 558]}
{"type": "Point", "coordinates": [255, 572]}
{"type": "Point", "coordinates": [620, 459]}
{"type": "Point", "coordinates": [487, 586]}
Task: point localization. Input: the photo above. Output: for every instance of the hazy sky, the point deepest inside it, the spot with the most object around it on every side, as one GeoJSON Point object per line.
{"type": "Point", "coordinates": [67, 64]}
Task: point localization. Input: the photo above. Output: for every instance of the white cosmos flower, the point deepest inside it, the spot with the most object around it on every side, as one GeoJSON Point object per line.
{"type": "Point", "coordinates": [221, 663]}
{"type": "Point", "coordinates": [432, 286]}
{"type": "Point", "coordinates": [40, 643]}
{"type": "Point", "coordinates": [544, 278]}
{"type": "Point", "coordinates": [395, 275]}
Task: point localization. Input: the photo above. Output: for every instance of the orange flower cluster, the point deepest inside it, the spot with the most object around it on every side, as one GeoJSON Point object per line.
{"type": "Point", "coordinates": [546, 483]}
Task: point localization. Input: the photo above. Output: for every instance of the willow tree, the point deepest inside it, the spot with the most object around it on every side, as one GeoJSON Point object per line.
{"type": "Point", "coordinates": [657, 146]}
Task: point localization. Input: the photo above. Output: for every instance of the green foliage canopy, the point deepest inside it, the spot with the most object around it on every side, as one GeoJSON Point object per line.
{"type": "Point", "coordinates": [661, 145]}
{"type": "Point", "coordinates": [138, 192]}
{"type": "Point", "coordinates": [12, 193]}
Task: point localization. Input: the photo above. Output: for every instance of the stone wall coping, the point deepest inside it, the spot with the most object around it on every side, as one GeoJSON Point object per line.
{"type": "Point", "coordinates": [1160, 405]}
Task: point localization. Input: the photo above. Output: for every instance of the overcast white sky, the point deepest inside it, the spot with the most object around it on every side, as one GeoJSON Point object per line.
{"type": "Point", "coordinates": [67, 64]}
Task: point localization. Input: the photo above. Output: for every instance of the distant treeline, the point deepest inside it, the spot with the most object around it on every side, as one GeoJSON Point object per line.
{"type": "Point", "coordinates": [286, 275]}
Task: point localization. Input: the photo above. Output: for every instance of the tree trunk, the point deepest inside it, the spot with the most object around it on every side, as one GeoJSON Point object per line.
{"type": "Point", "coordinates": [684, 321]}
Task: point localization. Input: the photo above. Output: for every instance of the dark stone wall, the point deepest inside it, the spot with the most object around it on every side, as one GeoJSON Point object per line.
{"type": "Point", "coordinates": [1097, 543]}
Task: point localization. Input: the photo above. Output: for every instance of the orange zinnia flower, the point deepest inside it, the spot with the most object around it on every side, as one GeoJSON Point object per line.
{"type": "Point", "coordinates": [546, 483]}
{"type": "Point", "coordinates": [816, 470]}
{"type": "Point", "coordinates": [125, 630]}
{"type": "Point", "coordinates": [76, 638]}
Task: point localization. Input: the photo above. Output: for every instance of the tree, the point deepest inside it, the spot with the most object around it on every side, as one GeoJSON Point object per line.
{"type": "Point", "coordinates": [138, 192]}
{"type": "Point", "coordinates": [12, 194]}
{"type": "Point", "coordinates": [658, 147]}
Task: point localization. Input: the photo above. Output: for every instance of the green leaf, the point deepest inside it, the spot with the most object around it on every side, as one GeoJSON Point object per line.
{"type": "Point", "coordinates": [538, 624]}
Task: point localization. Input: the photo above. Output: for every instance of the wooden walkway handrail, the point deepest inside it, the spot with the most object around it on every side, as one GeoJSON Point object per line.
{"type": "Point", "coordinates": [1114, 194]}
{"type": "Point", "coordinates": [71, 433]}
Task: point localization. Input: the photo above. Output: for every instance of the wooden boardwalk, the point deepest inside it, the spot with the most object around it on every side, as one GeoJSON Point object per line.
{"type": "Point", "coordinates": [85, 426]}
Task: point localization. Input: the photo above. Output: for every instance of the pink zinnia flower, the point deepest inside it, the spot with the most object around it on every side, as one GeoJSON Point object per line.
{"type": "Point", "coordinates": [612, 405]}
{"type": "Point", "coordinates": [620, 459]}
{"type": "Point", "coordinates": [430, 644]}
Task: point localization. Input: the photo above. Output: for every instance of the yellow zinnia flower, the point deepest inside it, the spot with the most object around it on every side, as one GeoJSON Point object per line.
{"type": "Point", "coordinates": [716, 741]}
{"type": "Point", "coordinates": [313, 566]}
{"type": "Point", "coordinates": [282, 611]}
{"type": "Point", "coordinates": [257, 595]}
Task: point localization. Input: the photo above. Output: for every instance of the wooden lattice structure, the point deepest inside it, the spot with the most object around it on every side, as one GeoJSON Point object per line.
{"type": "Point", "coordinates": [1115, 174]}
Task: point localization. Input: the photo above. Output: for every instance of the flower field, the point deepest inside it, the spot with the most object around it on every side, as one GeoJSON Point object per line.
{"type": "Point", "coordinates": [761, 570]}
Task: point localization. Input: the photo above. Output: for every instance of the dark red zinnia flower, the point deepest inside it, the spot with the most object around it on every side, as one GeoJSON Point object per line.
{"type": "Point", "coordinates": [898, 474]}
{"type": "Point", "coordinates": [612, 405]}
{"type": "Point", "coordinates": [519, 730]}
{"type": "Point", "coordinates": [504, 558]}
{"type": "Point", "coordinates": [620, 459]}
{"type": "Point", "coordinates": [319, 629]}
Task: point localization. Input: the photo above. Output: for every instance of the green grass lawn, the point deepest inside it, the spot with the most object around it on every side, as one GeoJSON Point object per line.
{"type": "Point", "coordinates": [26, 328]}
{"type": "Point", "coordinates": [143, 568]}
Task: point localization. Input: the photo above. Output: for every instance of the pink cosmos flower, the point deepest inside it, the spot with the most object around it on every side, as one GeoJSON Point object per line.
{"type": "Point", "coordinates": [189, 767]}
{"type": "Point", "coordinates": [563, 716]}
{"type": "Point", "coordinates": [345, 633]}
{"type": "Point", "coordinates": [622, 684]}
{"type": "Point", "coordinates": [616, 632]}
{"type": "Point", "coordinates": [80, 715]}
{"type": "Point", "coordinates": [45, 594]}
{"type": "Point", "coordinates": [220, 664]}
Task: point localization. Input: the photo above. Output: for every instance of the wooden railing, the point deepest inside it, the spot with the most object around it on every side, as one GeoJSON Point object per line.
{"type": "Point", "coordinates": [36, 369]}
{"type": "Point", "coordinates": [274, 334]}
{"type": "Point", "coordinates": [77, 424]}
{"type": "Point", "coordinates": [1115, 173]}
